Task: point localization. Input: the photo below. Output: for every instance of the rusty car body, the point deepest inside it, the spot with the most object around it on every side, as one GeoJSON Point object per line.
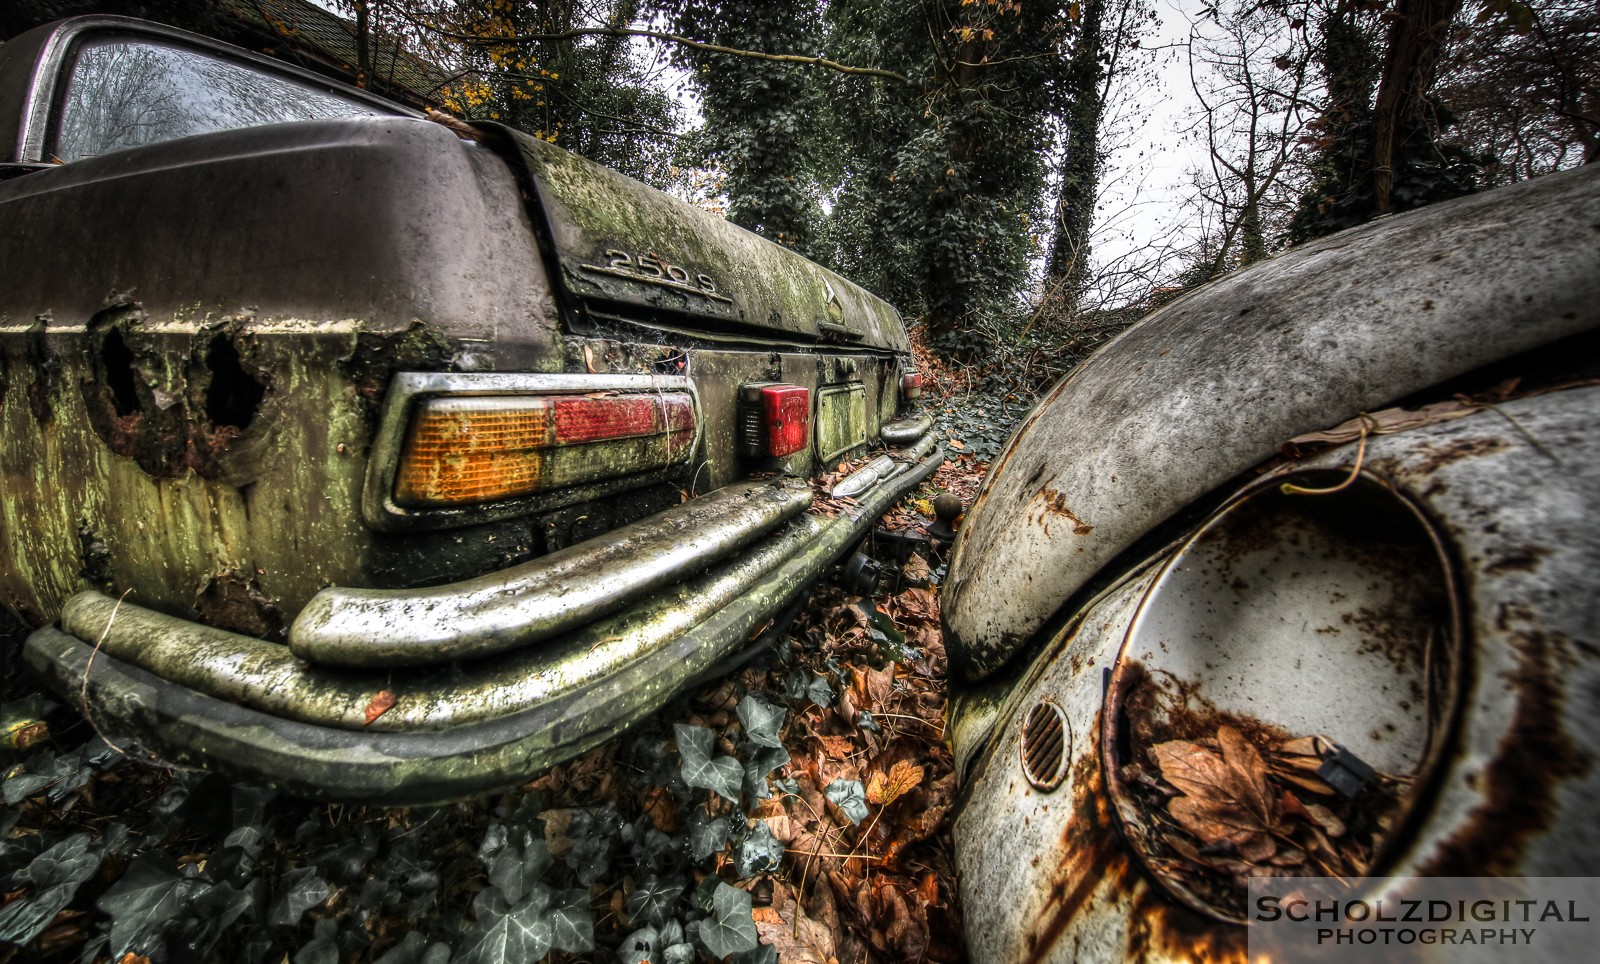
{"type": "Point", "coordinates": [383, 459]}
{"type": "Point", "coordinates": [1349, 493]}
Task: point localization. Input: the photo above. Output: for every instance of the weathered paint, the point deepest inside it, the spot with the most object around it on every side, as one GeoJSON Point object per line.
{"type": "Point", "coordinates": [1208, 386]}
{"type": "Point", "coordinates": [170, 535]}
{"type": "Point", "coordinates": [599, 218]}
{"type": "Point", "coordinates": [1049, 876]}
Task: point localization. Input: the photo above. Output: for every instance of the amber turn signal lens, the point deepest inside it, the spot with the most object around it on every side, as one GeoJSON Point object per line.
{"type": "Point", "coordinates": [466, 450]}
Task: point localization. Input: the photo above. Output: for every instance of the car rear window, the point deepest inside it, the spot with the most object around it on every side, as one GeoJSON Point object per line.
{"type": "Point", "coordinates": [124, 92]}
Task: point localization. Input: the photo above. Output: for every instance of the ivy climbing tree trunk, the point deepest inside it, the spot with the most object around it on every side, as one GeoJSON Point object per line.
{"type": "Point", "coordinates": [766, 123]}
{"type": "Point", "coordinates": [1067, 265]}
{"type": "Point", "coordinates": [1416, 37]}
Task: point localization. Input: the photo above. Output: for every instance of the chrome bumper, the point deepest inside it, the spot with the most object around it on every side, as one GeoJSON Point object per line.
{"type": "Point", "coordinates": [255, 710]}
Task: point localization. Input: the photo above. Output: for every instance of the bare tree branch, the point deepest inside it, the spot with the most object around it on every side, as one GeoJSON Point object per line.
{"type": "Point", "coordinates": [670, 38]}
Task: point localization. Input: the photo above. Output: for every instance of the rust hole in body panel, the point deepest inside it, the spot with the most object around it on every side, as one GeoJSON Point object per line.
{"type": "Point", "coordinates": [117, 360]}
{"type": "Point", "coordinates": [230, 600]}
{"type": "Point", "coordinates": [170, 403]}
{"type": "Point", "coordinates": [233, 395]}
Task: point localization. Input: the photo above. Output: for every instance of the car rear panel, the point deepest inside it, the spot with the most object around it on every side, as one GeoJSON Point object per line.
{"type": "Point", "coordinates": [190, 415]}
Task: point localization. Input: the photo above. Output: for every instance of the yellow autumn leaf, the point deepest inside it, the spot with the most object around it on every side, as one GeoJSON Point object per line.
{"type": "Point", "coordinates": [884, 789]}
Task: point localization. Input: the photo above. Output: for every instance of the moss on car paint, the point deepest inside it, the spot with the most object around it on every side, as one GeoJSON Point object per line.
{"type": "Point", "coordinates": [278, 514]}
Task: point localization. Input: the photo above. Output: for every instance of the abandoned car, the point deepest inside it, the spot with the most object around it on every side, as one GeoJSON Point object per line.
{"type": "Point", "coordinates": [1295, 578]}
{"type": "Point", "coordinates": [383, 459]}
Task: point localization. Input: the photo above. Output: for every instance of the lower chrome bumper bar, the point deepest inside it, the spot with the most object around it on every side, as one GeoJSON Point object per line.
{"type": "Point", "coordinates": [252, 709]}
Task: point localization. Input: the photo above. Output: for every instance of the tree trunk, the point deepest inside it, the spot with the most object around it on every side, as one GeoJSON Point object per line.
{"type": "Point", "coordinates": [1069, 248]}
{"type": "Point", "coordinates": [1415, 41]}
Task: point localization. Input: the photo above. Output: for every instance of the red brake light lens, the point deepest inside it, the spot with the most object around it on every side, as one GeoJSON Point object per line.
{"type": "Point", "coordinates": [463, 450]}
{"type": "Point", "coordinates": [911, 385]}
{"type": "Point", "coordinates": [777, 419]}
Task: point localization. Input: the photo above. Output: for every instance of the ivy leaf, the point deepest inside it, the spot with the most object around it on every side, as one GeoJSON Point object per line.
{"type": "Point", "coordinates": [653, 900]}
{"type": "Point", "coordinates": [678, 954]}
{"type": "Point", "coordinates": [592, 831]}
{"type": "Point", "coordinates": [731, 928]}
{"type": "Point", "coordinates": [760, 853]}
{"type": "Point", "coordinates": [209, 914]}
{"type": "Point", "coordinates": [301, 890]}
{"type": "Point", "coordinates": [866, 722]}
{"type": "Point", "coordinates": [506, 934]}
{"type": "Point", "coordinates": [514, 873]}
{"type": "Point", "coordinates": [761, 721]}
{"type": "Point", "coordinates": [23, 920]}
{"type": "Point", "coordinates": [69, 863]}
{"type": "Point", "coordinates": [323, 948]}
{"type": "Point", "coordinates": [722, 774]}
{"type": "Point", "coordinates": [143, 902]}
{"type": "Point", "coordinates": [572, 922]}
{"type": "Point", "coordinates": [849, 796]}
{"type": "Point", "coordinates": [639, 947]}
{"type": "Point", "coordinates": [706, 836]}
{"type": "Point", "coordinates": [494, 839]}
{"type": "Point", "coordinates": [651, 847]}
{"type": "Point", "coordinates": [761, 764]}
{"type": "Point", "coordinates": [802, 684]}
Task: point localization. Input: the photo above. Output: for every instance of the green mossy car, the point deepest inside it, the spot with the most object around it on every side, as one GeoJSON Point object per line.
{"type": "Point", "coordinates": [385, 459]}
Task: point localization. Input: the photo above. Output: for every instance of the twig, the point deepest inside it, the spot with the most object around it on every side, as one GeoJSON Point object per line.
{"type": "Point", "coordinates": [83, 685]}
{"type": "Point", "coordinates": [1367, 425]}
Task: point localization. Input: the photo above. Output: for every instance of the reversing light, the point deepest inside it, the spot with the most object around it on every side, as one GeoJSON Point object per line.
{"type": "Point", "coordinates": [474, 449]}
{"type": "Point", "coordinates": [911, 385]}
{"type": "Point", "coordinates": [776, 418]}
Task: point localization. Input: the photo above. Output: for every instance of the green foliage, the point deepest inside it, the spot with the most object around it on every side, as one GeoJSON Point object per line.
{"type": "Point", "coordinates": [1426, 168]}
{"type": "Point", "coordinates": [766, 124]}
{"type": "Point", "coordinates": [944, 186]}
{"type": "Point", "coordinates": [653, 901]}
{"type": "Point", "coordinates": [721, 774]}
{"type": "Point", "coordinates": [595, 95]}
{"type": "Point", "coordinates": [762, 721]}
{"type": "Point", "coordinates": [850, 797]}
{"type": "Point", "coordinates": [730, 928]}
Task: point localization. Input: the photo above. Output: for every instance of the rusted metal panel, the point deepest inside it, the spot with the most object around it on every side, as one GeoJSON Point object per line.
{"type": "Point", "coordinates": [1503, 766]}
{"type": "Point", "coordinates": [1207, 386]}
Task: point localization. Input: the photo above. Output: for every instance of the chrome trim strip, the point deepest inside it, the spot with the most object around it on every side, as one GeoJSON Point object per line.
{"type": "Point", "coordinates": [907, 430]}
{"type": "Point", "coordinates": [552, 594]}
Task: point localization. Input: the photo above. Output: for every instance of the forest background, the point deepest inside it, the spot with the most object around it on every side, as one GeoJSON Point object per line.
{"type": "Point", "coordinates": [983, 164]}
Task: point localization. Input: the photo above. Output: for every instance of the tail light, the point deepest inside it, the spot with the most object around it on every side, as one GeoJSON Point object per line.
{"type": "Point", "coordinates": [776, 419]}
{"type": "Point", "coordinates": [474, 449]}
{"type": "Point", "coordinates": [911, 385]}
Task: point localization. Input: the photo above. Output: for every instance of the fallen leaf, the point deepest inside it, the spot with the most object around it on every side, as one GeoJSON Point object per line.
{"type": "Point", "coordinates": [797, 938]}
{"type": "Point", "coordinates": [1225, 795]}
{"type": "Point", "coordinates": [901, 779]}
{"type": "Point", "coordinates": [381, 704]}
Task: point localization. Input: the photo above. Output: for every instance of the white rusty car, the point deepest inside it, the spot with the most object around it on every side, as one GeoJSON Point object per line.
{"type": "Point", "coordinates": [1330, 522]}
